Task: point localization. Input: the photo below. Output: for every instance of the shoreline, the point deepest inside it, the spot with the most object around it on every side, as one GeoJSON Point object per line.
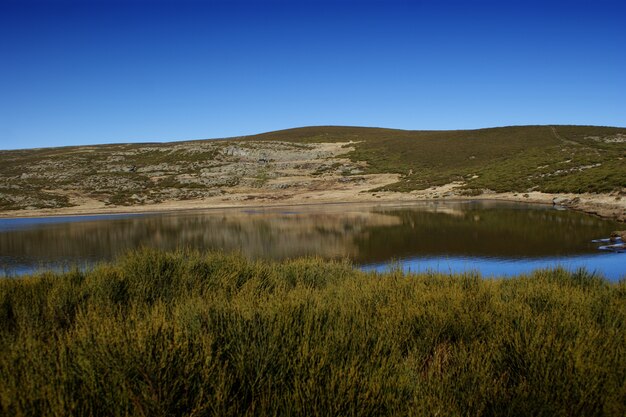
{"type": "Point", "coordinates": [600, 205]}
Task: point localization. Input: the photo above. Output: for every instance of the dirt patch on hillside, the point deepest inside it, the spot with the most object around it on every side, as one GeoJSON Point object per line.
{"type": "Point", "coordinates": [617, 138]}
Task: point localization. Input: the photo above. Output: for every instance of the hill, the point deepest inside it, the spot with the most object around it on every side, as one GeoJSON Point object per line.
{"type": "Point", "coordinates": [317, 163]}
{"type": "Point", "coordinates": [521, 158]}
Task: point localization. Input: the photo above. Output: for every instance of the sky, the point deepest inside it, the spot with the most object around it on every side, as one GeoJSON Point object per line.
{"type": "Point", "coordinates": [97, 71]}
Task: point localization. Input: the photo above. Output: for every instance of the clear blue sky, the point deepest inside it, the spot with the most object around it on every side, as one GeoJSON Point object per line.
{"type": "Point", "coordinates": [99, 71]}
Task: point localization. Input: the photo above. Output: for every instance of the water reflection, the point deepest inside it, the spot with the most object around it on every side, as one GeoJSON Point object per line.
{"type": "Point", "coordinates": [486, 229]}
{"type": "Point", "coordinates": [369, 235]}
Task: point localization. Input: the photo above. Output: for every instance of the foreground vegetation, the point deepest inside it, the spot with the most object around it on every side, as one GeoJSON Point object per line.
{"type": "Point", "coordinates": [189, 334]}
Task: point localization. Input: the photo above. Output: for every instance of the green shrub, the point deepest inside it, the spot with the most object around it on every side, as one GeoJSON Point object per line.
{"type": "Point", "coordinates": [184, 333]}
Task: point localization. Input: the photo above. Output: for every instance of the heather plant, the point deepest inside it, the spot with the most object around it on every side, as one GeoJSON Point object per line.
{"type": "Point", "coordinates": [184, 333]}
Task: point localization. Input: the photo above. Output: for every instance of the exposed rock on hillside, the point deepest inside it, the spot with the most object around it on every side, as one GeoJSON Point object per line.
{"type": "Point", "coordinates": [146, 174]}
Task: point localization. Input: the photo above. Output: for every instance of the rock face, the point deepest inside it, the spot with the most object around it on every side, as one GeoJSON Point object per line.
{"type": "Point", "coordinates": [560, 201]}
{"type": "Point", "coordinates": [565, 202]}
{"type": "Point", "coordinates": [139, 174]}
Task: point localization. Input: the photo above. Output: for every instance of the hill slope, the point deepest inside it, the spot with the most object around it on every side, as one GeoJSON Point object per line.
{"type": "Point", "coordinates": [520, 158]}
{"type": "Point", "coordinates": [319, 161]}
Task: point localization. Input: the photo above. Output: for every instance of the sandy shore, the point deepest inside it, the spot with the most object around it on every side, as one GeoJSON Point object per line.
{"type": "Point", "coordinates": [602, 205]}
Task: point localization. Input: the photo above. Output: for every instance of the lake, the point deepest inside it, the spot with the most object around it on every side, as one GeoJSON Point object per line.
{"type": "Point", "coordinates": [493, 238]}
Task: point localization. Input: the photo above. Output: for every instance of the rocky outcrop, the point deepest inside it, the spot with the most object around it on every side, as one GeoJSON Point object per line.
{"type": "Point", "coordinates": [565, 202]}
{"type": "Point", "coordinates": [618, 235]}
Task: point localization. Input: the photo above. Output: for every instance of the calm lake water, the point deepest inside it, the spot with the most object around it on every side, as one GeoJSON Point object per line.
{"type": "Point", "coordinates": [489, 237]}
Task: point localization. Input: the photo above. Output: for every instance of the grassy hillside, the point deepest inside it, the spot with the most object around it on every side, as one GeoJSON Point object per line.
{"type": "Point", "coordinates": [519, 158]}
{"type": "Point", "coordinates": [188, 334]}
{"type": "Point", "coordinates": [522, 158]}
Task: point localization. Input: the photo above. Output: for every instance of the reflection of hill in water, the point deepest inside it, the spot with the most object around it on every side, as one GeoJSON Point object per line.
{"type": "Point", "coordinates": [266, 235]}
{"type": "Point", "coordinates": [482, 230]}
{"type": "Point", "coordinates": [363, 233]}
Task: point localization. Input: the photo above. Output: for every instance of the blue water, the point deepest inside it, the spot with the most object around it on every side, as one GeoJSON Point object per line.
{"type": "Point", "coordinates": [610, 265]}
{"type": "Point", "coordinates": [495, 239]}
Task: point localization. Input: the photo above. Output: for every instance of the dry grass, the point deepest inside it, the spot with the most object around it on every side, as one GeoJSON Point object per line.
{"type": "Point", "coordinates": [210, 334]}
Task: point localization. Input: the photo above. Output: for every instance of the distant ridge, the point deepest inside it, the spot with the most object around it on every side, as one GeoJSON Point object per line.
{"type": "Point", "coordinates": [272, 165]}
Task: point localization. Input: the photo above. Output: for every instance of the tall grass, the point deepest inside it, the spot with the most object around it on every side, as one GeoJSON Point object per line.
{"type": "Point", "coordinates": [185, 333]}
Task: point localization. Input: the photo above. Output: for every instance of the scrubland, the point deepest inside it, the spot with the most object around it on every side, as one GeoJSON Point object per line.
{"type": "Point", "coordinates": [324, 163]}
{"type": "Point", "coordinates": [188, 333]}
